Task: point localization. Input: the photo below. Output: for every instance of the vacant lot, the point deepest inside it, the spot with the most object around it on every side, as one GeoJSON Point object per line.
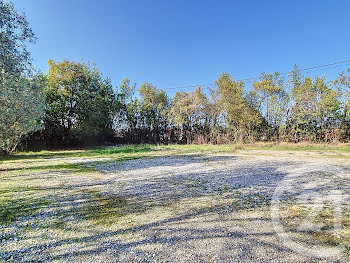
{"type": "Point", "coordinates": [176, 204]}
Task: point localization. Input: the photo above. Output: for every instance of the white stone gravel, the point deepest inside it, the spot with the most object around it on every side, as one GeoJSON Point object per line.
{"type": "Point", "coordinates": [190, 210]}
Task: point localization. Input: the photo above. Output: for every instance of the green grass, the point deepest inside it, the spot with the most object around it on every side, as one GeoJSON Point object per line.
{"type": "Point", "coordinates": [11, 208]}
{"type": "Point", "coordinates": [124, 149]}
{"type": "Point", "coordinates": [231, 148]}
{"type": "Point", "coordinates": [144, 150]}
{"type": "Point", "coordinates": [299, 147]}
{"type": "Point", "coordinates": [105, 208]}
{"type": "Point", "coordinates": [206, 148]}
{"type": "Point", "coordinates": [127, 149]}
{"type": "Point", "coordinates": [75, 168]}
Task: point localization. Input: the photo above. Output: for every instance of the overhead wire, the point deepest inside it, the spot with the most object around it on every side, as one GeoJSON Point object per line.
{"type": "Point", "coordinates": [305, 70]}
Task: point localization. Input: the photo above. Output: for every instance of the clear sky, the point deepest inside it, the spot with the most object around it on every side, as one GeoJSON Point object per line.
{"type": "Point", "coordinates": [185, 42]}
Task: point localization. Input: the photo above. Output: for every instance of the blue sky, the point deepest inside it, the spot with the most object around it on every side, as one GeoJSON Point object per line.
{"type": "Point", "coordinates": [174, 43]}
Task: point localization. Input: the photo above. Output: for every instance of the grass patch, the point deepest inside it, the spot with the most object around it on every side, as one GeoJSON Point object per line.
{"type": "Point", "coordinates": [124, 150]}
{"type": "Point", "coordinates": [105, 208]}
{"type": "Point", "coordinates": [175, 149]}
{"type": "Point", "coordinates": [294, 216]}
{"type": "Point", "coordinates": [20, 190]}
{"type": "Point", "coordinates": [71, 167]}
{"type": "Point", "coordinates": [341, 147]}
{"type": "Point", "coordinates": [13, 208]}
{"type": "Point", "coordinates": [231, 148]}
{"type": "Point", "coordinates": [127, 149]}
{"type": "Point", "coordinates": [205, 148]}
{"type": "Point", "coordinates": [42, 154]}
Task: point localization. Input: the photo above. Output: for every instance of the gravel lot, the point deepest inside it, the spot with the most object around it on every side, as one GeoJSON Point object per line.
{"type": "Point", "coordinates": [207, 208]}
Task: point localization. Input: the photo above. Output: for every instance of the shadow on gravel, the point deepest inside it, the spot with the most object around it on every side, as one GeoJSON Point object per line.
{"type": "Point", "coordinates": [180, 235]}
{"type": "Point", "coordinates": [137, 193]}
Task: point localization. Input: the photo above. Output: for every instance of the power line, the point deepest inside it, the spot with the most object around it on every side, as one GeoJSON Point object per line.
{"type": "Point", "coordinates": [315, 68]}
{"type": "Point", "coordinates": [348, 64]}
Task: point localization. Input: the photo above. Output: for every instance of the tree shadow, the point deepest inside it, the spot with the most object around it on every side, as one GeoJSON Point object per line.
{"type": "Point", "coordinates": [179, 235]}
{"type": "Point", "coordinates": [136, 186]}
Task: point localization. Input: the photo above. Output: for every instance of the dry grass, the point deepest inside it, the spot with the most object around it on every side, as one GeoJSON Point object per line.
{"type": "Point", "coordinates": [295, 215]}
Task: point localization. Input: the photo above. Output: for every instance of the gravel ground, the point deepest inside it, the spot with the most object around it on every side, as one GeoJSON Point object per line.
{"type": "Point", "coordinates": [208, 208]}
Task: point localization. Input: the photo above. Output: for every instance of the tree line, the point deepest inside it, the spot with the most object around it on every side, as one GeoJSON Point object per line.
{"type": "Point", "coordinates": [74, 105]}
{"type": "Point", "coordinates": [299, 108]}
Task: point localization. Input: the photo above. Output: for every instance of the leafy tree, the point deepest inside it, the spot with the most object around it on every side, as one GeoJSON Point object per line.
{"type": "Point", "coordinates": [328, 107]}
{"type": "Point", "coordinates": [241, 117]}
{"type": "Point", "coordinates": [128, 107]}
{"type": "Point", "coordinates": [315, 110]}
{"type": "Point", "coordinates": [127, 91]}
{"type": "Point", "coordinates": [271, 100]}
{"type": "Point", "coordinates": [200, 116]}
{"type": "Point", "coordinates": [81, 103]}
{"type": "Point", "coordinates": [191, 114]}
{"type": "Point", "coordinates": [15, 34]}
{"type": "Point", "coordinates": [153, 108]}
{"type": "Point", "coordinates": [342, 84]}
{"type": "Point", "coordinates": [21, 104]}
{"type": "Point", "coordinates": [180, 112]}
{"type": "Point", "coordinates": [21, 107]}
{"type": "Point", "coordinates": [200, 110]}
{"type": "Point", "coordinates": [303, 114]}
